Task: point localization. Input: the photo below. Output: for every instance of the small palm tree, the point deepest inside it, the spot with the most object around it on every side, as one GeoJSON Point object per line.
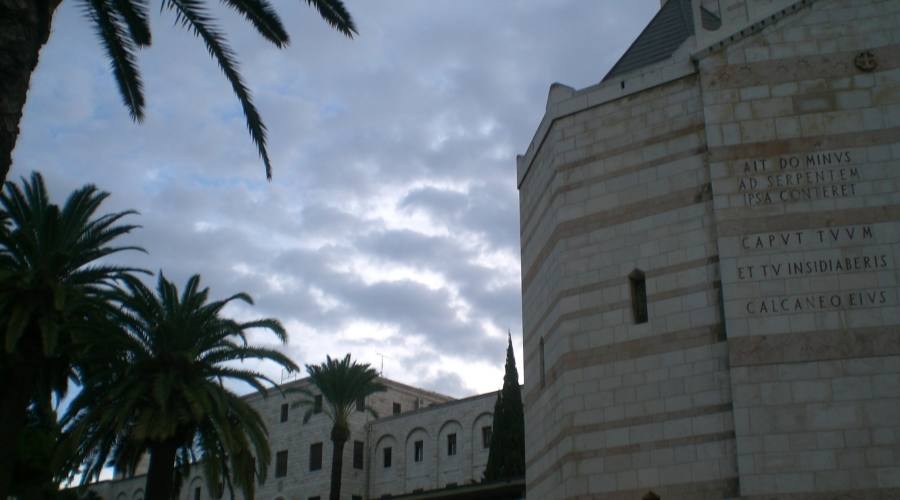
{"type": "Point", "coordinates": [342, 384]}
{"type": "Point", "coordinates": [54, 293]}
{"type": "Point", "coordinates": [161, 391]}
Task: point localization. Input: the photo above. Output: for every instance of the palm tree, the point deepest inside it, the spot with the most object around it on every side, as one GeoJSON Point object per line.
{"type": "Point", "coordinates": [342, 384]}
{"type": "Point", "coordinates": [161, 392]}
{"type": "Point", "coordinates": [123, 28]}
{"type": "Point", "coordinates": [54, 293]}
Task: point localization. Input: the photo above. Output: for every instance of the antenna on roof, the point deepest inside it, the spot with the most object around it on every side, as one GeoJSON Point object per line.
{"type": "Point", "coordinates": [286, 375]}
{"type": "Point", "coordinates": [381, 373]}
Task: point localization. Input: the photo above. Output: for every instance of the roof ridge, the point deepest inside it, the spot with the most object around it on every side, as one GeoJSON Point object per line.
{"type": "Point", "coordinates": [672, 24]}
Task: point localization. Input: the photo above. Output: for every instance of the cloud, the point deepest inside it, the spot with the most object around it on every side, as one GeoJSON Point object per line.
{"type": "Point", "coordinates": [391, 226]}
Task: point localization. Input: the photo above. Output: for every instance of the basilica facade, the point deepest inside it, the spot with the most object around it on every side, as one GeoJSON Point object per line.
{"type": "Point", "coordinates": [710, 244]}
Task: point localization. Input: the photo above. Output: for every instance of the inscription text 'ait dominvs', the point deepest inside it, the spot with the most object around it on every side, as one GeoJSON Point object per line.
{"type": "Point", "coordinates": [798, 178]}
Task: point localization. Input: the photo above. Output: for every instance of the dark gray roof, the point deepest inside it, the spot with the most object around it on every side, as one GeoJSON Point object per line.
{"type": "Point", "coordinates": [668, 29]}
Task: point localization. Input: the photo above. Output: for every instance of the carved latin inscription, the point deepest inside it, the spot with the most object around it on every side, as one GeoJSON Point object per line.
{"type": "Point", "coordinates": [810, 253]}
{"type": "Point", "coordinates": [797, 178]}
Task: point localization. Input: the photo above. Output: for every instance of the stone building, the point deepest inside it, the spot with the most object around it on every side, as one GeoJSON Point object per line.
{"type": "Point", "coordinates": [423, 445]}
{"type": "Point", "coordinates": [710, 239]}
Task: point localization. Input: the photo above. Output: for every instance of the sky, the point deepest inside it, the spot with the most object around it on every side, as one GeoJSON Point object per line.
{"type": "Point", "coordinates": [390, 230]}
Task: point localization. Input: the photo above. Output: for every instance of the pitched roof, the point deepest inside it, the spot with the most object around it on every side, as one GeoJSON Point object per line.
{"type": "Point", "coordinates": [668, 29]}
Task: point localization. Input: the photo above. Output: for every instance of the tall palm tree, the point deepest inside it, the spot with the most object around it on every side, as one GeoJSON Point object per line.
{"type": "Point", "coordinates": [55, 291]}
{"type": "Point", "coordinates": [342, 383]}
{"type": "Point", "coordinates": [161, 392]}
{"type": "Point", "coordinates": [123, 28]}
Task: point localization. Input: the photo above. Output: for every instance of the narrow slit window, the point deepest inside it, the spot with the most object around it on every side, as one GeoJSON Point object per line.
{"type": "Point", "coordinates": [638, 296]}
{"type": "Point", "coordinates": [315, 456]}
{"type": "Point", "coordinates": [418, 451]}
{"type": "Point", "coordinates": [317, 404]}
{"type": "Point", "coordinates": [358, 454]}
{"type": "Point", "coordinates": [451, 445]}
{"type": "Point", "coordinates": [543, 370]}
{"type": "Point", "coordinates": [281, 463]}
{"type": "Point", "coordinates": [710, 14]}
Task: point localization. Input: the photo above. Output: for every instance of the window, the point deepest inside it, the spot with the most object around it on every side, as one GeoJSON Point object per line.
{"type": "Point", "coordinates": [314, 498]}
{"type": "Point", "coordinates": [710, 18]}
{"type": "Point", "coordinates": [317, 404]}
{"type": "Point", "coordinates": [281, 463]}
{"type": "Point", "coordinates": [543, 371]}
{"type": "Point", "coordinates": [361, 404]}
{"type": "Point", "coordinates": [387, 457]}
{"type": "Point", "coordinates": [357, 454]}
{"type": "Point", "coordinates": [486, 436]}
{"type": "Point", "coordinates": [315, 456]}
{"type": "Point", "coordinates": [284, 412]}
{"type": "Point", "coordinates": [419, 451]}
{"type": "Point", "coordinates": [396, 408]}
{"type": "Point", "coordinates": [451, 445]}
{"type": "Point", "coordinates": [356, 497]}
{"type": "Point", "coordinates": [638, 296]}
{"type": "Point", "coordinates": [197, 493]}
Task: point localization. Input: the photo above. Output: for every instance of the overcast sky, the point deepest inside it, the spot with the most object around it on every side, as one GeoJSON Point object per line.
{"type": "Point", "coordinates": [391, 225]}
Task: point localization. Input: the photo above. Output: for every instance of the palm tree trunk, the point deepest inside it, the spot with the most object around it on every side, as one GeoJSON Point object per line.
{"type": "Point", "coordinates": [24, 29]}
{"type": "Point", "coordinates": [13, 408]}
{"type": "Point", "coordinates": [339, 436]}
{"type": "Point", "coordinates": [161, 473]}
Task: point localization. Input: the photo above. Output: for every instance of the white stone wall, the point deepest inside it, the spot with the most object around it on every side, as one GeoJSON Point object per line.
{"type": "Point", "coordinates": [296, 437]}
{"type": "Point", "coordinates": [805, 160]}
{"type": "Point", "coordinates": [432, 425]}
{"type": "Point", "coordinates": [624, 407]}
{"type": "Point", "coordinates": [722, 392]}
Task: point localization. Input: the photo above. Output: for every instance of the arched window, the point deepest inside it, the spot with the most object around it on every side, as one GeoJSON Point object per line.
{"type": "Point", "coordinates": [638, 296]}
{"type": "Point", "coordinates": [710, 15]}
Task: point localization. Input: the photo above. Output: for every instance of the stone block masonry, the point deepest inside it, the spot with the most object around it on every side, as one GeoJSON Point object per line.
{"type": "Point", "coordinates": [756, 195]}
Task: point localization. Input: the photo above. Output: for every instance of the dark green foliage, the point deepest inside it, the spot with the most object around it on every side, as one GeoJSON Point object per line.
{"type": "Point", "coordinates": [55, 295]}
{"type": "Point", "coordinates": [35, 456]}
{"type": "Point", "coordinates": [158, 388]}
{"type": "Point", "coordinates": [123, 28]}
{"type": "Point", "coordinates": [506, 459]}
{"type": "Point", "coordinates": [341, 383]}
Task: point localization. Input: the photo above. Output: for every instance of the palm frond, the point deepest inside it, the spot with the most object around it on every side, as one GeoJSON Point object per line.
{"type": "Point", "coordinates": [134, 13]}
{"type": "Point", "coordinates": [120, 49]}
{"type": "Point", "coordinates": [163, 382]}
{"type": "Point", "coordinates": [263, 17]}
{"type": "Point", "coordinates": [192, 14]}
{"type": "Point", "coordinates": [336, 15]}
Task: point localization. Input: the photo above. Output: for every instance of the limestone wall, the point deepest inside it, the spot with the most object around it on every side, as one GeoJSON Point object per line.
{"type": "Point", "coordinates": [295, 437]}
{"type": "Point", "coordinates": [623, 408]}
{"type": "Point", "coordinates": [437, 467]}
{"type": "Point", "coordinates": [803, 125]}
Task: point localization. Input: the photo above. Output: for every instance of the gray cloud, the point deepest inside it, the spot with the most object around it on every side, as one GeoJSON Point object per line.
{"type": "Point", "coordinates": [394, 201]}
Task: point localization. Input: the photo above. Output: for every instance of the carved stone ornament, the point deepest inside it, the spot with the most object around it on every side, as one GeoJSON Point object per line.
{"type": "Point", "coordinates": [866, 61]}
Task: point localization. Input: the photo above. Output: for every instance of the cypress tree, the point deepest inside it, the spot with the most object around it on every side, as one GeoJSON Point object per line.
{"type": "Point", "coordinates": [506, 457]}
